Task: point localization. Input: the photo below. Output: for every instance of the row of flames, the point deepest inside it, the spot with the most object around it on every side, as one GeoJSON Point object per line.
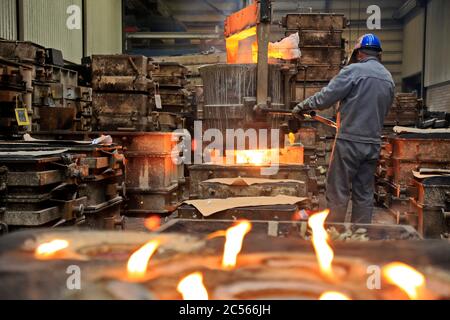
{"type": "Point", "coordinates": [192, 287]}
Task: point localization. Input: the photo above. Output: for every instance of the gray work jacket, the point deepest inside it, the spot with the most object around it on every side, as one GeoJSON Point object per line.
{"type": "Point", "coordinates": [366, 92]}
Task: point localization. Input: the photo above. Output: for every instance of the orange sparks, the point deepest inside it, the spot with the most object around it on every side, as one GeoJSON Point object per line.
{"type": "Point", "coordinates": [49, 249]}
{"type": "Point", "coordinates": [320, 237]}
{"type": "Point", "coordinates": [333, 295]}
{"type": "Point", "coordinates": [152, 223]}
{"type": "Point", "coordinates": [138, 262]}
{"type": "Point", "coordinates": [233, 243]}
{"type": "Point", "coordinates": [192, 288]}
{"type": "Point", "coordinates": [405, 277]}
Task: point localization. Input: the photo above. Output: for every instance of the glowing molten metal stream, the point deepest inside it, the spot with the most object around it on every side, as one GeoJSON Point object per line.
{"type": "Point", "coordinates": [138, 262]}
{"type": "Point", "coordinates": [192, 288]}
{"type": "Point", "coordinates": [233, 243]}
{"type": "Point", "coordinates": [320, 237]}
{"type": "Point", "coordinates": [333, 295]}
{"type": "Point", "coordinates": [48, 249]}
{"type": "Point", "coordinates": [405, 277]}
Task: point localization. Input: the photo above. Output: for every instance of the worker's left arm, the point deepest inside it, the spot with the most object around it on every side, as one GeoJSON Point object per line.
{"type": "Point", "coordinates": [337, 90]}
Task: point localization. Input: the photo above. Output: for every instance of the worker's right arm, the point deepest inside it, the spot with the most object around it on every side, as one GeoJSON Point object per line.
{"type": "Point", "coordinates": [337, 90]}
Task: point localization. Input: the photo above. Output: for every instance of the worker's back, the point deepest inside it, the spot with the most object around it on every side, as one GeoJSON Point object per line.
{"type": "Point", "coordinates": [364, 109]}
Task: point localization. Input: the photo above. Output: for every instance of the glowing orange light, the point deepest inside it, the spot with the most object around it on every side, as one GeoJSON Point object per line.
{"type": "Point", "coordinates": [49, 249]}
{"type": "Point", "coordinates": [255, 157]}
{"type": "Point", "coordinates": [405, 277]}
{"type": "Point", "coordinates": [324, 253]}
{"type": "Point", "coordinates": [138, 261]}
{"type": "Point", "coordinates": [233, 243]}
{"type": "Point", "coordinates": [333, 295]}
{"type": "Point", "coordinates": [152, 223]}
{"type": "Point", "coordinates": [192, 288]}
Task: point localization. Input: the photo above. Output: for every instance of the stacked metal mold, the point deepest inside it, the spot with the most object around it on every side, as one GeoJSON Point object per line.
{"type": "Point", "coordinates": [402, 155]}
{"type": "Point", "coordinates": [172, 79]}
{"type": "Point", "coordinates": [130, 104]}
{"type": "Point", "coordinates": [30, 59]}
{"type": "Point", "coordinates": [15, 91]}
{"type": "Point", "coordinates": [322, 51]}
{"type": "Point", "coordinates": [405, 111]}
{"type": "Point", "coordinates": [430, 206]}
{"type": "Point", "coordinates": [322, 56]}
{"type": "Point", "coordinates": [155, 181]}
{"type": "Point", "coordinates": [60, 103]}
{"type": "Point", "coordinates": [53, 99]}
{"type": "Point", "coordinates": [61, 182]}
{"type": "Point", "coordinates": [123, 92]}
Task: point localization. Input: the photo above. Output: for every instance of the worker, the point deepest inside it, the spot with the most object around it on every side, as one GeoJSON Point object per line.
{"type": "Point", "coordinates": [365, 90]}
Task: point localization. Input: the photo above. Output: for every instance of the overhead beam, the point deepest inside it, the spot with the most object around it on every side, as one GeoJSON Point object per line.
{"type": "Point", "coordinates": [174, 35]}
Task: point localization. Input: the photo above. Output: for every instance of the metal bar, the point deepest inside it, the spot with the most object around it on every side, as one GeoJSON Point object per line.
{"type": "Point", "coordinates": [263, 34]}
{"type": "Point", "coordinates": [173, 35]}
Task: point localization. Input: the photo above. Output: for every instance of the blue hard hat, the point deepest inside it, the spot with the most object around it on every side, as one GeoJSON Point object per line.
{"type": "Point", "coordinates": [369, 41]}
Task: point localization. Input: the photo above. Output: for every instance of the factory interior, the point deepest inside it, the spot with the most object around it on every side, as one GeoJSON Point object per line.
{"type": "Point", "coordinates": [241, 150]}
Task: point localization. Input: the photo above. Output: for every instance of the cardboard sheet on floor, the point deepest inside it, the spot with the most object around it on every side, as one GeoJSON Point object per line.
{"type": "Point", "coordinates": [208, 207]}
{"type": "Point", "coordinates": [249, 181]}
{"type": "Point", "coordinates": [399, 129]}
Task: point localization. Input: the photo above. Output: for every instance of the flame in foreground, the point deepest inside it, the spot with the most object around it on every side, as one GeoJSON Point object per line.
{"type": "Point", "coordinates": [48, 249]}
{"type": "Point", "coordinates": [405, 277]}
{"type": "Point", "coordinates": [138, 262]}
{"type": "Point", "coordinates": [333, 295]}
{"type": "Point", "coordinates": [192, 288]}
{"type": "Point", "coordinates": [152, 223]}
{"type": "Point", "coordinates": [324, 253]}
{"type": "Point", "coordinates": [233, 243]}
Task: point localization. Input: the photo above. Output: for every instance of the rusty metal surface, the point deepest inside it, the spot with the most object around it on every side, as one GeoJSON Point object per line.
{"type": "Point", "coordinates": [122, 83]}
{"type": "Point", "coordinates": [113, 111]}
{"type": "Point", "coordinates": [78, 185]}
{"type": "Point", "coordinates": [56, 118]}
{"type": "Point", "coordinates": [421, 149]}
{"type": "Point", "coordinates": [216, 190]}
{"type": "Point", "coordinates": [153, 179]}
{"type": "Point", "coordinates": [170, 74]}
{"type": "Point", "coordinates": [405, 111]}
{"type": "Point", "coordinates": [430, 204]}
{"type": "Point", "coordinates": [317, 73]}
{"type": "Point", "coordinates": [315, 21]}
{"type": "Point", "coordinates": [320, 55]}
{"type": "Point", "coordinates": [199, 173]}
{"type": "Point", "coordinates": [22, 51]}
{"type": "Point", "coordinates": [119, 65]}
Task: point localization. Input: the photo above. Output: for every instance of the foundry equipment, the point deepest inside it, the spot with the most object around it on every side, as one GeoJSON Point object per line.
{"type": "Point", "coordinates": [52, 183]}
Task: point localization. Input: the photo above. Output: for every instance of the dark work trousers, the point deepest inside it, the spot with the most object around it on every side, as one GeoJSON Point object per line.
{"type": "Point", "coordinates": [352, 174]}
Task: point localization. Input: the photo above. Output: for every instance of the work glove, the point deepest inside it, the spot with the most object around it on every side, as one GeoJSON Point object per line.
{"type": "Point", "coordinates": [301, 109]}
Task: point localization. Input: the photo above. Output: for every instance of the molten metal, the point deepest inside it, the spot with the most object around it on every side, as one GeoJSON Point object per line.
{"type": "Point", "coordinates": [192, 288]}
{"type": "Point", "coordinates": [233, 244]}
{"type": "Point", "coordinates": [138, 262]}
{"type": "Point", "coordinates": [332, 295]}
{"type": "Point", "coordinates": [49, 249]}
{"type": "Point", "coordinates": [405, 277]}
{"type": "Point", "coordinates": [320, 237]}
